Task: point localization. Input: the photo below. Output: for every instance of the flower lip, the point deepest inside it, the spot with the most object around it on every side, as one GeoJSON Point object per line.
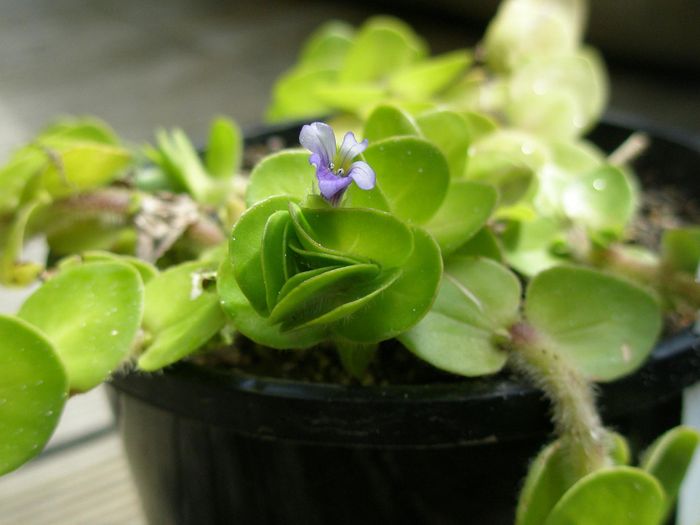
{"type": "Point", "coordinates": [335, 170]}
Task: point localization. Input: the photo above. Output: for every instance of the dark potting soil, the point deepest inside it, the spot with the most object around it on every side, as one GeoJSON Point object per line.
{"type": "Point", "coordinates": [662, 207]}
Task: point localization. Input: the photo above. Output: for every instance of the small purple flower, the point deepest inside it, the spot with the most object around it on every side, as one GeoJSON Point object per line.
{"type": "Point", "coordinates": [335, 170]}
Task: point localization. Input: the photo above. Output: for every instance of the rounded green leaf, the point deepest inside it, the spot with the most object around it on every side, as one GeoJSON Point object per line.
{"type": "Point", "coordinates": [548, 478]}
{"type": "Point", "coordinates": [181, 314]}
{"type": "Point", "coordinates": [84, 166]}
{"type": "Point", "coordinates": [224, 148]}
{"type": "Point", "coordinates": [245, 249]}
{"type": "Point", "coordinates": [619, 495]}
{"type": "Point", "coordinates": [361, 234]}
{"type": "Point", "coordinates": [91, 314]}
{"type": "Point", "coordinates": [412, 175]}
{"type": "Point", "coordinates": [327, 46]}
{"type": "Point", "coordinates": [430, 76]}
{"type": "Point", "coordinates": [33, 389]}
{"type": "Point", "coordinates": [252, 324]}
{"type": "Point", "coordinates": [557, 96]}
{"type": "Point", "coordinates": [382, 45]}
{"type": "Point", "coordinates": [294, 97]}
{"type": "Point", "coordinates": [146, 270]}
{"type": "Point", "coordinates": [528, 245]}
{"type": "Point", "coordinates": [483, 244]}
{"type": "Point", "coordinates": [605, 326]}
{"type": "Point", "coordinates": [451, 132]}
{"type": "Point", "coordinates": [389, 121]}
{"type": "Point", "coordinates": [603, 200]}
{"type": "Point", "coordinates": [668, 459]}
{"type": "Point", "coordinates": [465, 210]}
{"type": "Point", "coordinates": [405, 302]}
{"type": "Point", "coordinates": [285, 173]}
{"type": "Point", "coordinates": [680, 249]}
{"type": "Point", "coordinates": [478, 299]}
{"type": "Point", "coordinates": [352, 97]}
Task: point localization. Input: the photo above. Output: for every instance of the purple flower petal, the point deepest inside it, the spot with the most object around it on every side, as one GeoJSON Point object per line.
{"type": "Point", "coordinates": [319, 139]}
{"type": "Point", "coordinates": [362, 174]}
{"type": "Point", "coordinates": [350, 148]}
{"type": "Point", "coordinates": [331, 186]}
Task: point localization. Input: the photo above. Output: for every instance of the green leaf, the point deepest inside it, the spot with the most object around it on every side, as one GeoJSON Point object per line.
{"type": "Point", "coordinates": [412, 176]}
{"type": "Point", "coordinates": [430, 76]}
{"type": "Point", "coordinates": [668, 459]}
{"type": "Point", "coordinates": [680, 248]}
{"type": "Point", "coordinates": [180, 160]}
{"type": "Point", "coordinates": [15, 175]}
{"type": "Point", "coordinates": [450, 132]}
{"type": "Point", "coordinates": [465, 210]}
{"type": "Point", "coordinates": [353, 97]}
{"type": "Point", "coordinates": [603, 200]}
{"type": "Point", "coordinates": [245, 250]}
{"type": "Point", "coordinates": [181, 314]}
{"type": "Point", "coordinates": [33, 389]}
{"type": "Point", "coordinates": [224, 148]}
{"type": "Point", "coordinates": [361, 234]}
{"type": "Point", "coordinates": [274, 254]}
{"type": "Point", "coordinates": [522, 29]}
{"type": "Point", "coordinates": [82, 167]}
{"type": "Point", "coordinates": [294, 94]}
{"type": "Point", "coordinates": [509, 160]}
{"type": "Point", "coordinates": [619, 495]}
{"type": "Point", "coordinates": [528, 245]}
{"type": "Point", "coordinates": [355, 357]}
{"type": "Point", "coordinates": [405, 302]}
{"type": "Point", "coordinates": [327, 47]}
{"type": "Point", "coordinates": [317, 296]}
{"type": "Point", "coordinates": [483, 244]}
{"type": "Point", "coordinates": [91, 314]}
{"type": "Point", "coordinates": [285, 173]}
{"type": "Point", "coordinates": [382, 46]}
{"type": "Point", "coordinates": [558, 96]}
{"type": "Point", "coordinates": [478, 298]}
{"type": "Point", "coordinates": [78, 129]}
{"type": "Point", "coordinates": [253, 325]}
{"type": "Point", "coordinates": [605, 326]}
{"type": "Point", "coordinates": [389, 121]}
{"type": "Point", "coordinates": [146, 270]}
{"type": "Point", "coordinates": [548, 478]}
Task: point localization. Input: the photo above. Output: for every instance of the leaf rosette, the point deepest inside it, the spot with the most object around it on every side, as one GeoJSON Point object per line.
{"type": "Point", "coordinates": [297, 276]}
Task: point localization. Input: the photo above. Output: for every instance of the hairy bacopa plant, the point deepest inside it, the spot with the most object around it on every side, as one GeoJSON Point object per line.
{"type": "Point", "coordinates": [472, 223]}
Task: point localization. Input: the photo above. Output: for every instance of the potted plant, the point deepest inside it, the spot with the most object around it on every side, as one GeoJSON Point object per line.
{"type": "Point", "coordinates": [471, 230]}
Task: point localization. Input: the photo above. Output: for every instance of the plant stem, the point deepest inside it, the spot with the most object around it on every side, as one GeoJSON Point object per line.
{"type": "Point", "coordinates": [576, 419]}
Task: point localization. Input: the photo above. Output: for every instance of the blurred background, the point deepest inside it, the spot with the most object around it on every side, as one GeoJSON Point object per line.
{"type": "Point", "coordinates": [143, 64]}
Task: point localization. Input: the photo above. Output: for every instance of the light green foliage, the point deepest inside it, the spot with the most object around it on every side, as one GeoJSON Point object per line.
{"type": "Point", "coordinates": [389, 121]}
{"type": "Point", "coordinates": [310, 274]}
{"type": "Point", "coordinates": [91, 314]}
{"type": "Point", "coordinates": [431, 76]}
{"type": "Point", "coordinates": [146, 270]}
{"type": "Point", "coordinates": [180, 169]}
{"type": "Point", "coordinates": [482, 244]}
{"type": "Point", "coordinates": [680, 249]}
{"type": "Point", "coordinates": [412, 176]}
{"type": "Point", "coordinates": [465, 209]}
{"type": "Point", "coordinates": [620, 495]}
{"type": "Point", "coordinates": [550, 476]}
{"type": "Point", "coordinates": [287, 172]}
{"type": "Point", "coordinates": [452, 133]}
{"type": "Point", "coordinates": [384, 61]}
{"type": "Point", "coordinates": [33, 389]}
{"type": "Point", "coordinates": [528, 245]}
{"type": "Point", "coordinates": [560, 96]}
{"type": "Point", "coordinates": [181, 313]}
{"type": "Point", "coordinates": [525, 28]}
{"type": "Point", "coordinates": [603, 200]}
{"type": "Point", "coordinates": [608, 333]}
{"type": "Point", "coordinates": [478, 300]}
{"type": "Point", "coordinates": [668, 459]}
{"type": "Point", "coordinates": [224, 152]}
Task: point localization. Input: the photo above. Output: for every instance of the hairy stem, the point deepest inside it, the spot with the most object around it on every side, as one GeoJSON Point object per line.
{"type": "Point", "coordinates": [576, 419]}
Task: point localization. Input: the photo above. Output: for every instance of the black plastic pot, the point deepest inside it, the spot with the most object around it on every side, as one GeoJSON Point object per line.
{"type": "Point", "coordinates": [213, 447]}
